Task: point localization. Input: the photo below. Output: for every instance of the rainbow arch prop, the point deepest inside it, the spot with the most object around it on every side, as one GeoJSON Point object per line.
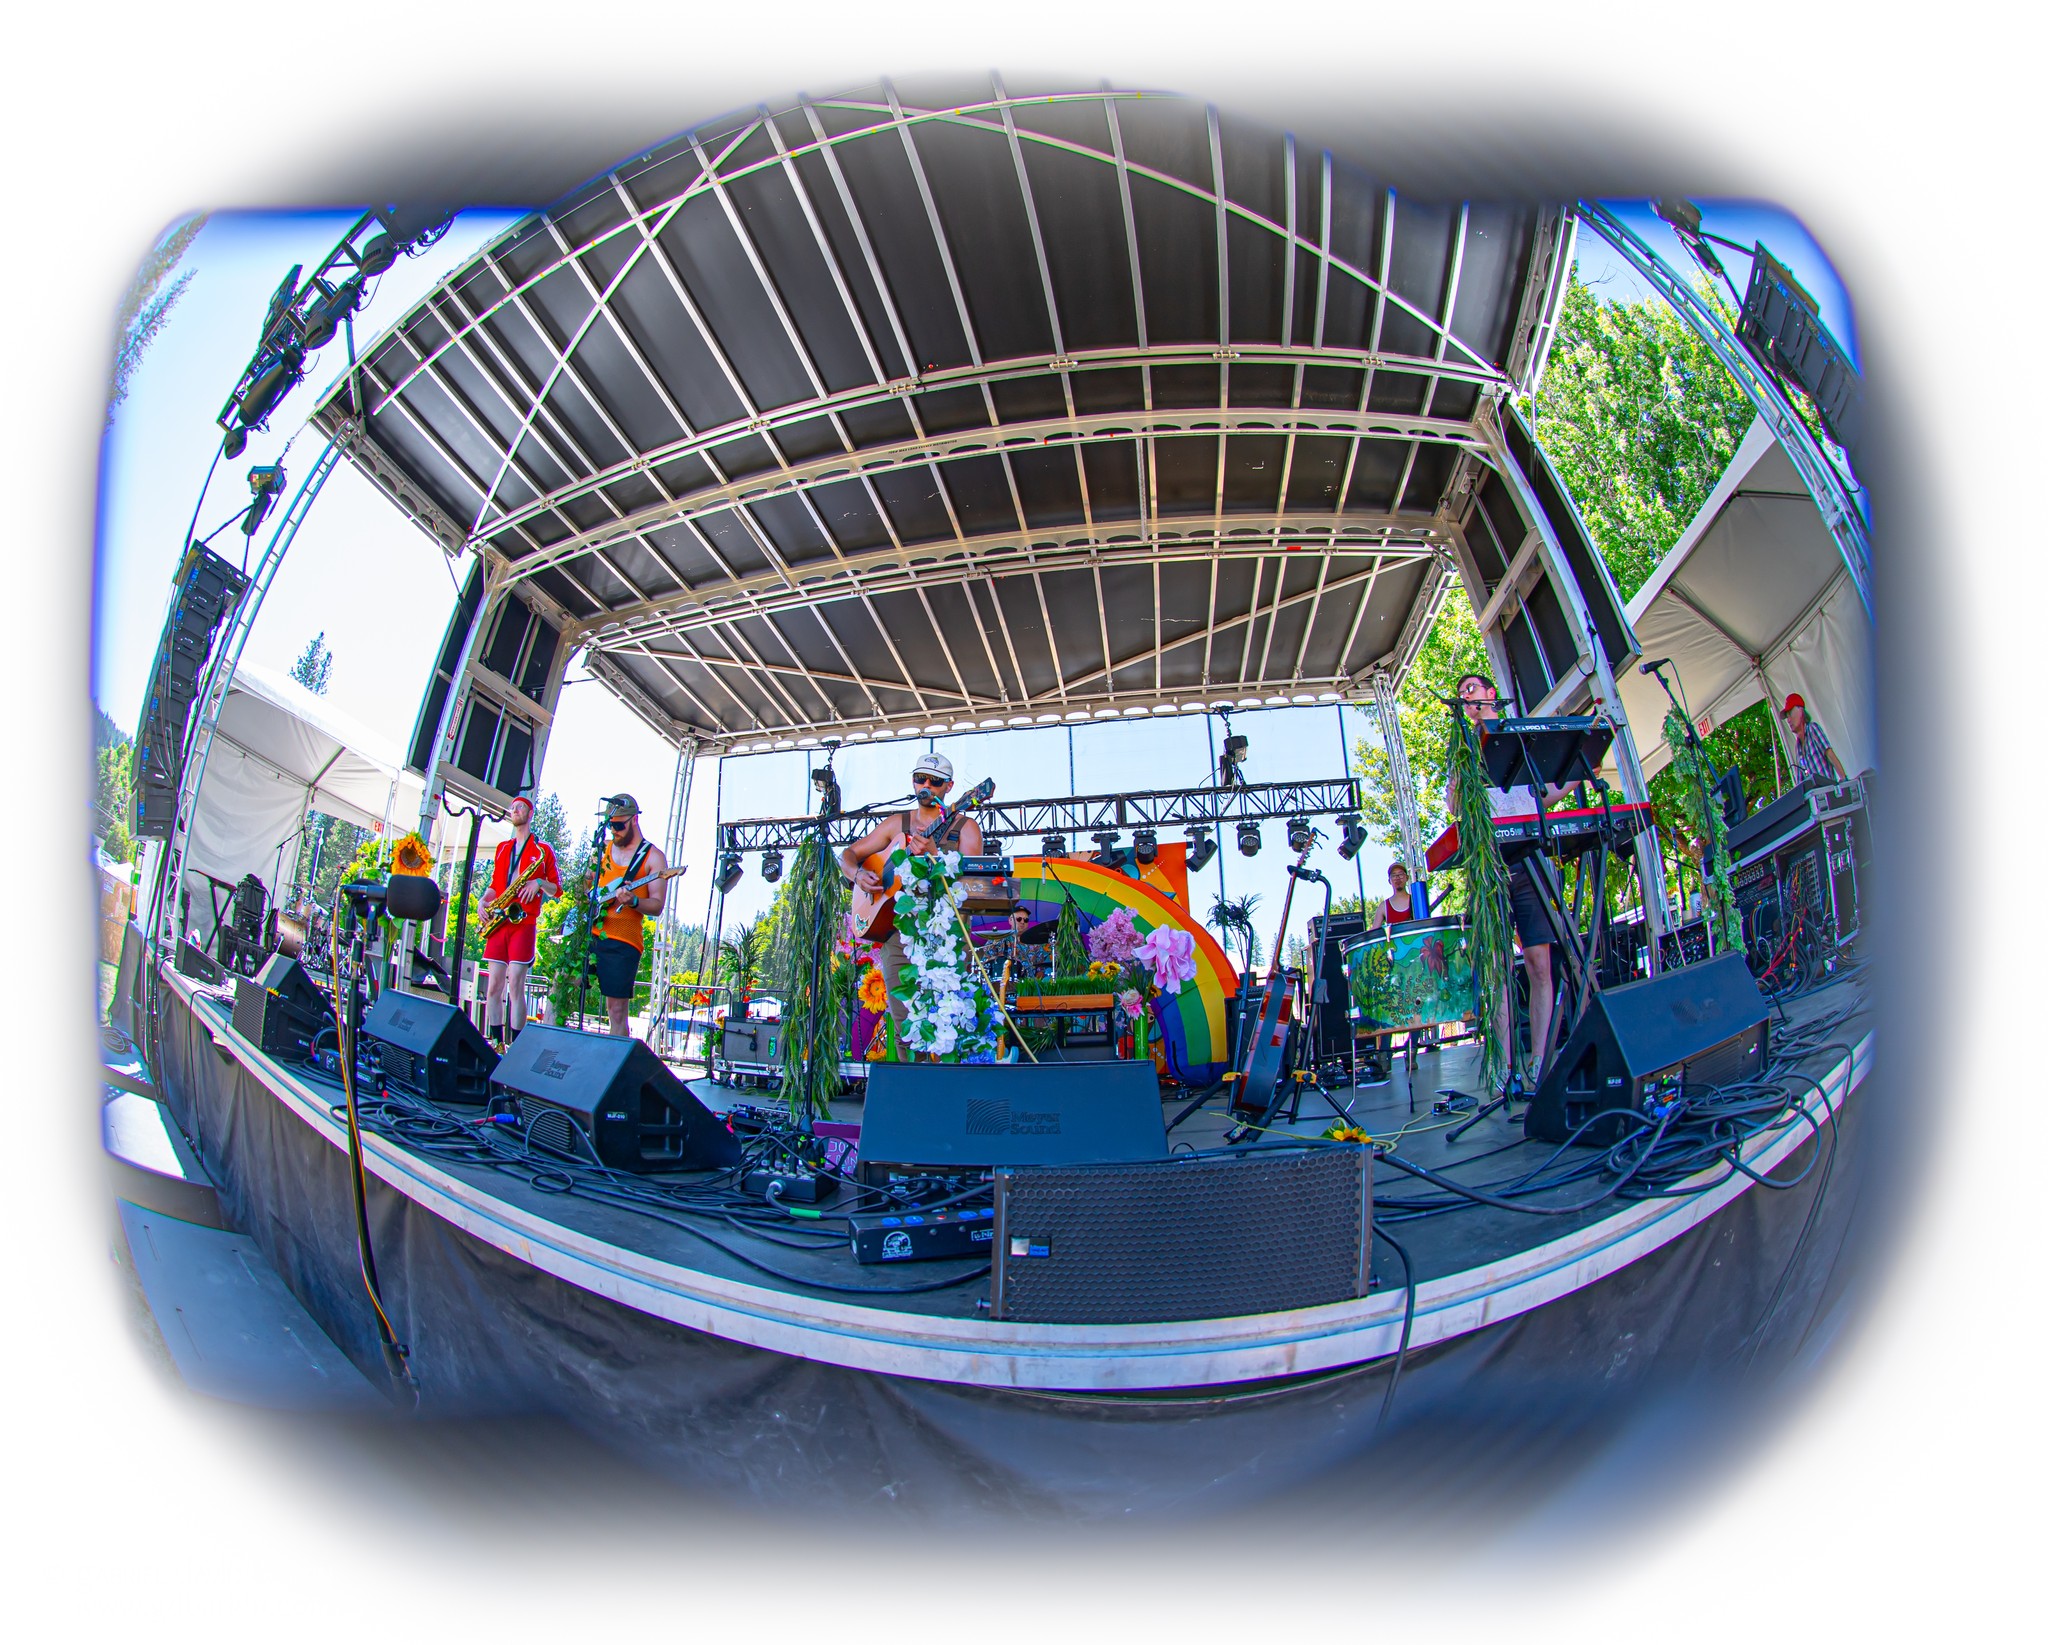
{"type": "Point", "coordinates": [1191, 1023]}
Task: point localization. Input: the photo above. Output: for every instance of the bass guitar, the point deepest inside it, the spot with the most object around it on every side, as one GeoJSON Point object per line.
{"type": "Point", "coordinates": [631, 888]}
{"type": "Point", "coordinates": [1266, 1050]}
{"type": "Point", "coordinates": [874, 913]}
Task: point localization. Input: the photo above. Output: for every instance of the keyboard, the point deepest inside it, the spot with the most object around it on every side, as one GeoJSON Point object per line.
{"type": "Point", "coordinates": [1571, 832]}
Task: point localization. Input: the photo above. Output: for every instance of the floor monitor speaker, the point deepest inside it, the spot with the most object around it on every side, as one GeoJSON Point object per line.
{"type": "Point", "coordinates": [607, 1096]}
{"type": "Point", "coordinates": [1646, 1042]}
{"type": "Point", "coordinates": [956, 1117]}
{"type": "Point", "coordinates": [431, 1049]}
{"type": "Point", "coordinates": [282, 1010]}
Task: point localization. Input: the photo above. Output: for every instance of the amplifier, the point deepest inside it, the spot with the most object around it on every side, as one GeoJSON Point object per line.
{"type": "Point", "coordinates": [922, 1236]}
{"type": "Point", "coordinates": [1340, 927]}
{"type": "Point", "coordinates": [951, 1117]}
{"type": "Point", "coordinates": [1204, 1236]}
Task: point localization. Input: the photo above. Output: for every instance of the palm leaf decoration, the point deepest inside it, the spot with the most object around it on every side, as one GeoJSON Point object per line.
{"type": "Point", "coordinates": [816, 982]}
{"type": "Point", "coordinates": [1233, 917]}
{"type": "Point", "coordinates": [1486, 895]}
{"type": "Point", "coordinates": [743, 957]}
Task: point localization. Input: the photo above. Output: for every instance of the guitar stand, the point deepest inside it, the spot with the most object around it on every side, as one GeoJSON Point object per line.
{"type": "Point", "coordinates": [1312, 1078]}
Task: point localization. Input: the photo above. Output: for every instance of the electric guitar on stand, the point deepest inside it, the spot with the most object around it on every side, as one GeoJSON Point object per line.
{"type": "Point", "coordinates": [1265, 1056]}
{"type": "Point", "coordinates": [874, 915]}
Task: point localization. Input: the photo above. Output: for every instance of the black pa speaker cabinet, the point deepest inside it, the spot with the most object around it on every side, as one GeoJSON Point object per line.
{"type": "Point", "coordinates": [1199, 1237]}
{"type": "Point", "coordinates": [430, 1048]}
{"type": "Point", "coordinates": [1649, 1041]}
{"type": "Point", "coordinates": [598, 1093]}
{"type": "Point", "coordinates": [194, 962]}
{"type": "Point", "coordinates": [282, 1010]}
{"type": "Point", "coordinates": [953, 1117]}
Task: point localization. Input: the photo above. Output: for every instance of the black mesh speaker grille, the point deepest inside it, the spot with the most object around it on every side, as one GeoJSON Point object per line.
{"type": "Point", "coordinates": [401, 1067]}
{"type": "Point", "coordinates": [1200, 1238]}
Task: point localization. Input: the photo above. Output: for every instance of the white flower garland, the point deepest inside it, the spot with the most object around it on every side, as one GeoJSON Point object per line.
{"type": "Point", "coordinates": [948, 1010]}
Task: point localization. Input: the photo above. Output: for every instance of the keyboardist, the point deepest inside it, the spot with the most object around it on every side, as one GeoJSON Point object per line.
{"type": "Point", "coordinates": [1532, 925]}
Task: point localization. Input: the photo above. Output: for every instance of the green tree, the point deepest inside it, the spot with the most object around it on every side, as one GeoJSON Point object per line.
{"type": "Point", "coordinates": [114, 798]}
{"type": "Point", "coordinates": [147, 305]}
{"type": "Point", "coordinates": [551, 822]}
{"type": "Point", "coordinates": [315, 666]}
{"type": "Point", "coordinates": [1639, 420]}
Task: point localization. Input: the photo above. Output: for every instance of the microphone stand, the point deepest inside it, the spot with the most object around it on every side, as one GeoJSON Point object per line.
{"type": "Point", "coordinates": [1319, 996]}
{"type": "Point", "coordinates": [1692, 741]}
{"type": "Point", "coordinates": [592, 915]}
{"type": "Point", "coordinates": [462, 897]}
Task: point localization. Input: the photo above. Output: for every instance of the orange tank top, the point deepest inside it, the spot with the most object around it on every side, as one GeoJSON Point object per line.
{"type": "Point", "coordinates": [623, 923]}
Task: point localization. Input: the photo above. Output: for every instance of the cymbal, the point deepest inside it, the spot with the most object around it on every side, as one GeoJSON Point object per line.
{"type": "Point", "coordinates": [1041, 932]}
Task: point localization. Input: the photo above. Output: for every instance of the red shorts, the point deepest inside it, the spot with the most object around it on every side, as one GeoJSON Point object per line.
{"type": "Point", "coordinates": [513, 942]}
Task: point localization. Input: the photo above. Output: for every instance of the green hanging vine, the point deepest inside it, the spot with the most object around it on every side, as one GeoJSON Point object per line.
{"type": "Point", "coordinates": [818, 982]}
{"type": "Point", "coordinates": [1486, 896]}
{"type": "Point", "coordinates": [1069, 957]}
{"type": "Point", "coordinates": [1703, 817]}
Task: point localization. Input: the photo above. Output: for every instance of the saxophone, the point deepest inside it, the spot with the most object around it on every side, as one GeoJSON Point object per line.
{"type": "Point", "coordinates": [506, 908]}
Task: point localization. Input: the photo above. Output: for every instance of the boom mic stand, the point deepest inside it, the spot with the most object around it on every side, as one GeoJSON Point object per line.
{"type": "Point", "coordinates": [1692, 741]}
{"type": "Point", "coordinates": [476, 817]}
{"type": "Point", "coordinates": [1319, 996]}
{"type": "Point", "coordinates": [593, 913]}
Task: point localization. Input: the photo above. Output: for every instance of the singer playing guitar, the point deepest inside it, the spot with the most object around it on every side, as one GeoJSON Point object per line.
{"type": "Point", "coordinates": [930, 779]}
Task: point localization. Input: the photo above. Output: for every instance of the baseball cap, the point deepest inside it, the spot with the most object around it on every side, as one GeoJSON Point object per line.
{"type": "Point", "coordinates": [936, 765]}
{"type": "Point", "coordinates": [622, 805]}
{"type": "Point", "coordinates": [1792, 702]}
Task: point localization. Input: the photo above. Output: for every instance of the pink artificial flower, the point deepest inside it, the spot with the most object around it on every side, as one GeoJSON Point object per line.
{"type": "Point", "coordinates": [1116, 938]}
{"type": "Point", "coordinates": [1169, 954]}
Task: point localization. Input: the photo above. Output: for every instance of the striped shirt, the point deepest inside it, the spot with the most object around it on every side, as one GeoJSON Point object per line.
{"type": "Point", "coordinates": [1810, 755]}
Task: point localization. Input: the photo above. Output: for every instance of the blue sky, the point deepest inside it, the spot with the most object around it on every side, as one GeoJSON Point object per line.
{"type": "Point", "coordinates": [381, 592]}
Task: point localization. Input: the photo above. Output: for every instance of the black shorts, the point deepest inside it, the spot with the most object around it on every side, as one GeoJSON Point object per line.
{"type": "Point", "coordinates": [617, 965]}
{"type": "Point", "coordinates": [1525, 907]}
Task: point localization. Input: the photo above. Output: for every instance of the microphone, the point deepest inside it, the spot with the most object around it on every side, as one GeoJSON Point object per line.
{"type": "Point", "coordinates": [1652, 667]}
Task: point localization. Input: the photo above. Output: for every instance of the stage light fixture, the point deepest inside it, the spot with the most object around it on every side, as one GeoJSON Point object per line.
{"type": "Point", "coordinates": [1230, 763]}
{"type": "Point", "coordinates": [266, 483]}
{"type": "Point", "coordinates": [1300, 837]}
{"type": "Point", "coordinates": [1108, 854]}
{"type": "Point", "coordinates": [771, 866]}
{"type": "Point", "coordinates": [991, 845]}
{"type": "Point", "coordinates": [1248, 839]}
{"type": "Point", "coordinates": [730, 868]}
{"type": "Point", "coordinates": [1052, 845]}
{"type": "Point", "coordinates": [269, 386]}
{"type": "Point", "coordinates": [1354, 836]}
{"type": "Point", "coordinates": [1145, 845]}
{"type": "Point", "coordinates": [235, 443]}
{"type": "Point", "coordinates": [1201, 847]}
{"type": "Point", "coordinates": [378, 255]}
{"type": "Point", "coordinates": [325, 316]}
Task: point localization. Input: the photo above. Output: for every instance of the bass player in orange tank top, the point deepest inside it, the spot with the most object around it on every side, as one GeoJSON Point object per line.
{"type": "Point", "coordinates": [620, 937]}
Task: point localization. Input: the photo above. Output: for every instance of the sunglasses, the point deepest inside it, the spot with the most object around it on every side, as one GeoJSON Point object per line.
{"type": "Point", "coordinates": [618, 825]}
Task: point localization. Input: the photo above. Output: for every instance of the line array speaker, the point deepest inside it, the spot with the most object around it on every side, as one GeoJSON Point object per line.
{"type": "Point", "coordinates": [1198, 1237]}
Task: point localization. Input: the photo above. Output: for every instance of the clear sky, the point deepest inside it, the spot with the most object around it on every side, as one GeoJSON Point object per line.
{"type": "Point", "coordinates": [381, 592]}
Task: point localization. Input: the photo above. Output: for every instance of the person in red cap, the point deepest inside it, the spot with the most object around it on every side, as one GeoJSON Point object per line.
{"type": "Point", "coordinates": [1813, 756]}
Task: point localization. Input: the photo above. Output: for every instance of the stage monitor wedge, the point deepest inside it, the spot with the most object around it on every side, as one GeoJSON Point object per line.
{"type": "Point", "coordinates": [431, 1049]}
{"type": "Point", "coordinates": [956, 1117]}
{"type": "Point", "coordinates": [1677, 1033]}
{"type": "Point", "coordinates": [282, 1010]}
{"type": "Point", "coordinates": [581, 1094]}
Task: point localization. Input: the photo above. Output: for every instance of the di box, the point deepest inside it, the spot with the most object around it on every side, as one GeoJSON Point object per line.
{"type": "Point", "coordinates": [948, 1117]}
{"type": "Point", "coordinates": [282, 1010]}
{"type": "Point", "coordinates": [1644, 1043]}
{"type": "Point", "coordinates": [1205, 1236]}
{"type": "Point", "coordinates": [430, 1048]}
{"type": "Point", "coordinates": [602, 1095]}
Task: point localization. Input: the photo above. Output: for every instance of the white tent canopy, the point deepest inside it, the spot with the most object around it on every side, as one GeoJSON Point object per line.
{"type": "Point", "coordinates": [1753, 602]}
{"type": "Point", "coordinates": [279, 750]}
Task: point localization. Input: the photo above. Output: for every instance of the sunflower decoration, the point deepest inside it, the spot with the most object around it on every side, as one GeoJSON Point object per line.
{"type": "Point", "coordinates": [874, 992]}
{"type": "Point", "coordinates": [410, 856]}
{"type": "Point", "coordinates": [1347, 1133]}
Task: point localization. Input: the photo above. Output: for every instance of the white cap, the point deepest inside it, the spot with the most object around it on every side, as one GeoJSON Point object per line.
{"type": "Point", "coordinates": [936, 764]}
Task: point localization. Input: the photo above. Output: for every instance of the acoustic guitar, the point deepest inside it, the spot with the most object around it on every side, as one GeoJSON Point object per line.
{"type": "Point", "coordinates": [874, 914]}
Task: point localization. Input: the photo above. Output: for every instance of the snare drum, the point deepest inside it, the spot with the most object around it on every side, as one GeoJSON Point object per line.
{"type": "Point", "coordinates": [1410, 975]}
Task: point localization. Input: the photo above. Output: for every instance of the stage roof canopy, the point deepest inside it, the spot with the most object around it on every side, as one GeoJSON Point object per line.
{"type": "Point", "coordinates": [952, 406]}
{"type": "Point", "coordinates": [1753, 602]}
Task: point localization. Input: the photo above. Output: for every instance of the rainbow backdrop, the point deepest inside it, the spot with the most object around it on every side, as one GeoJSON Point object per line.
{"type": "Point", "coordinates": [1191, 1023]}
